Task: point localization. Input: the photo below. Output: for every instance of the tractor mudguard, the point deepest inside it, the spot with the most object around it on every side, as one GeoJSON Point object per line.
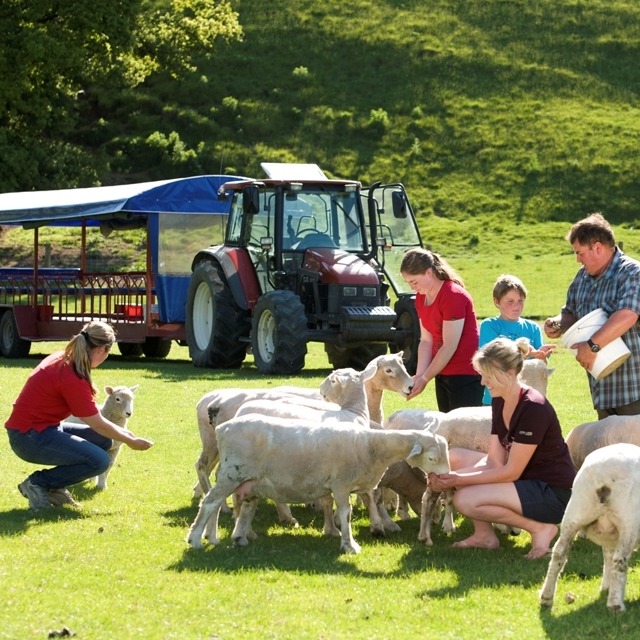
{"type": "Point", "coordinates": [239, 271]}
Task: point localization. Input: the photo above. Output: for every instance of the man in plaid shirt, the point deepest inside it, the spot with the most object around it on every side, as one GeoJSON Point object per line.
{"type": "Point", "coordinates": [610, 280]}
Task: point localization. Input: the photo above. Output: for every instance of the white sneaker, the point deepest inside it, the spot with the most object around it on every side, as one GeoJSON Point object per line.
{"type": "Point", "coordinates": [36, 495]}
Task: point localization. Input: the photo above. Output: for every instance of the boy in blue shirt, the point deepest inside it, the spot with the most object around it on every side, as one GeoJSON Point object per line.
{"type": "Point", "coordinates": [509, 295]}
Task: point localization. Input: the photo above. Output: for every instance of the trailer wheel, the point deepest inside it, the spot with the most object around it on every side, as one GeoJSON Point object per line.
{"type": "Point", "coordinates": [355, 357]}
{"type": "Point", "coordinates": [407, 320]}
{"type": "Point", "coordinates": [215, 324]}
{"type": "Point", "coordinates": [154, 347]}
{"type": "Point", "coordinates": [130, 349]}
{"type": "Point", "coordinates": [279, 333]}
{"type": "Point", "coordinates": [11, 344]}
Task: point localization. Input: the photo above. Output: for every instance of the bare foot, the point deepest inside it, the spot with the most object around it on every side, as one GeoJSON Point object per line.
{"type": "Point", "coordinates": [540, 541]}
{"type": "Point", "coordinates": [477, 542]}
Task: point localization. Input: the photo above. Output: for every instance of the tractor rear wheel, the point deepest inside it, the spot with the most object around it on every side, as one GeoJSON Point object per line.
{"type": "Point", "coordinates": [130, 349]}
{"type": "Point", "coordinates": [279, 333]}
{"type": "Point", "coordinates": [215, 324]}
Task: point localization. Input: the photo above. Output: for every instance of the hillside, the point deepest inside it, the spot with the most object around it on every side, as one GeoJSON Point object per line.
{"type": "Point", "coordinates": [497, 116]}
{"type": "Point", "coordinates": [514, 110]}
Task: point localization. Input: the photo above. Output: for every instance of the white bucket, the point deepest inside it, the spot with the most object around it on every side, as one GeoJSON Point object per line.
{"type": "Point", "coordinates": [609, 358]}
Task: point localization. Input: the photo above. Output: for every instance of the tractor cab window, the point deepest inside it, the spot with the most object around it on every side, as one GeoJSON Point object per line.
{"type": "Point", "coordinates": [320, 218]}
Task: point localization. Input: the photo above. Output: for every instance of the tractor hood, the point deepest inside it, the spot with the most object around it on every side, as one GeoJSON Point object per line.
{"type": "Point", "coordinates": [335, 266]}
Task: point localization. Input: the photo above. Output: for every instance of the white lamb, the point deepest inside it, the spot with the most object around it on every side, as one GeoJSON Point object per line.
{"type": "Point", "coordinates": [588, 437]}
{"type": "Point", "coordinates": [294, 461]}
{"type": "Point", "coordinates": [605, 504]}
{"type": "Point", "coordinates": [216, 407]}
{"type": "Point", "coordinates": [117, 407]}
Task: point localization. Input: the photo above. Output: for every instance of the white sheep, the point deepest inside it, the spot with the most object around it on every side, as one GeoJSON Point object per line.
{"type": "Point", "coordinates": [216, 407]}
{"type": "Point", "coordinates": [293, 461]}
{"type": "Point", "coordinates": [605, 504]}
{"type": "Point", "coordinates": [118, 408]}
{"type": "Point", "coordinates": [588, 437]}
{"type": "Point", "coordinates": [344, 388]}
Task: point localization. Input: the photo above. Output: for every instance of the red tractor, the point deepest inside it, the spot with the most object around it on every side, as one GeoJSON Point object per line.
{"type": "Point", "coordinates": [304, 259]}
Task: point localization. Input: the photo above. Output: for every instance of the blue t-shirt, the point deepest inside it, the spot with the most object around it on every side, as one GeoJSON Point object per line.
{"type": "Point", "coordinates": [492, 328]}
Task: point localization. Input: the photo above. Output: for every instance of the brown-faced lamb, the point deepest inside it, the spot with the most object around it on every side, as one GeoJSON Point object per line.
{"type": "Point", "coordinates": [605, 504]}
{"type": "Point", "coordinates": [295, 461]}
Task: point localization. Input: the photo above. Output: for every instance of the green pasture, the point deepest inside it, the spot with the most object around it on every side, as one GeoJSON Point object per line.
{"type": "Point", "coordinates": [120, 567]}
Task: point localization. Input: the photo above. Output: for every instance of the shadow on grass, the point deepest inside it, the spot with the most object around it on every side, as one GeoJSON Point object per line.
{"type": "Point", "coordinates": [593, 620]}
{"type": "Point", "coordinates": [18, 521]}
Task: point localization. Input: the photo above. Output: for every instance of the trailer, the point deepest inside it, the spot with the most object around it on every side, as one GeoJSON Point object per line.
{"type": "Point", "coordinates": [70, 280]}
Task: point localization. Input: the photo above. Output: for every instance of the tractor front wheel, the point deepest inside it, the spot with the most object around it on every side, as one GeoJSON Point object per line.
{"type": "Point", "coordinates": [279, 333]}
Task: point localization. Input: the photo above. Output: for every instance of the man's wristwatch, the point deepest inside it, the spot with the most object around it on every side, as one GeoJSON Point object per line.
{"type": "Point", "coordinates": [593, 346]}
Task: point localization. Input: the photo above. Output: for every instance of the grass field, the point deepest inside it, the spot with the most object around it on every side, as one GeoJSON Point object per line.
{"type": "Point", "coordinates": [120, 568]}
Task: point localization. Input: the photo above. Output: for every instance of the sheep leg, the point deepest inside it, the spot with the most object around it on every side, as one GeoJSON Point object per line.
{"type": "Point", "coordinates": [558, 560]}
{"type": "Point", "coordinates": [284, 515]}
{"type": "Point", "coordinates": [387, 522]}
{"type": "Point", "coordinates": [101, 480]}
{"type": "Point", "coordinates": [329, 528]}
{"type": "Point", "coordinates": [430, 500]}
{"type": "Point", "coordinates": [390, 500]}
{"type": "Point", "coordinates": [448, 525]}
{"type": "Point", "coordinates": [402, 509]}
{"type": "Point", "coordinates": [208, 516]}
{"type": "Point", "coordinates": [204, 468]}
{"type": "Point", "coordinates": [618, 571]}
{"type": "Point", "coordinates": [242, 531]}
{"type": "Point", "coordinates": [347, 542]}
{"type": "Point", "coordinates": [377, 528]}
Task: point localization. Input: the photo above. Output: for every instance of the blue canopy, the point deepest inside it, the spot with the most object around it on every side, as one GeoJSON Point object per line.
{"type": "Point", "coordinates": [193, 195]}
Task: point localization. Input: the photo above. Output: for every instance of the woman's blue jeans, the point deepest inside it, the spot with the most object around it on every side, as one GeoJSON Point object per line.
{"type": "Point", "coordinates": [75, 451]}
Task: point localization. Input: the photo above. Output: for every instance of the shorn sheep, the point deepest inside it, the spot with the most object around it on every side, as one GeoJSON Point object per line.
{"type": "Point", "coordinates": [605, 504]}
{"type": "Point", "coordinates": [293, 461]}
{"type": "Point", "coordinates": [216, 407]}
{"type": "Point", "coordinates": [588, 437]}
{"type": "Point", "coordinates": [344, 388]}
{"type": "Point", "coordinates": [117, 407]}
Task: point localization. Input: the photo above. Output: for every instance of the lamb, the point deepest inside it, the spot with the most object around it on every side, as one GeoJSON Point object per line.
{"type": "Point", "coordinates": [117, 407]}
{"type": "Point", "coordinates": [588, 437]}
{"type": "Point", "coordinates": [605, 503]}
{"type": "Point", "coordinates": [298, 461]}
{"type": "Point", "coordinates": [223, 404]}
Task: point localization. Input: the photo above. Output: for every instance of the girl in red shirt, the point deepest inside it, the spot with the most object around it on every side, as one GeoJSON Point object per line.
{"type": "Point", "coordinates": [449, 331]}
{"type": "Point", "coordinates": [61, 386]}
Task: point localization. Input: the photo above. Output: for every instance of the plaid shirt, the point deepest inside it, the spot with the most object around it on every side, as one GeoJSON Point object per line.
{"type": "Point", "coordinates": [617, 288]}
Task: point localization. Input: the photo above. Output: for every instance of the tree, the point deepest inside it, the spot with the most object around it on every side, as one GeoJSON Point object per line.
{"type": "Point", "coordinates": [57, 54]}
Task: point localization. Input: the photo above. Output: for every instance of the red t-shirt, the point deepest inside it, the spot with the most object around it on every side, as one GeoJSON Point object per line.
{"type": "Point", "coordinates": [53, 392]}
{"type": "Point", "coordinates": [453, 302]}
